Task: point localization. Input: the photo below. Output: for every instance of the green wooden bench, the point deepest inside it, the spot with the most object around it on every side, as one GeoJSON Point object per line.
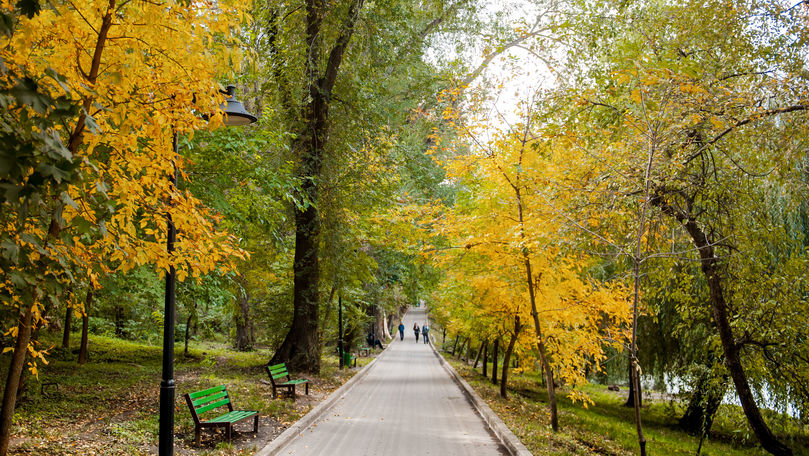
{"type": "Point", "coordinates": [277, 373]}
{"type": "Point", "coordinates": [213, 398]}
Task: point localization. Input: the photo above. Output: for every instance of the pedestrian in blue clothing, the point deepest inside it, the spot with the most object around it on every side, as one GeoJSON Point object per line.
{"type": "Point", "coordinates": [401, 331]}
{"type": "Point", "coordinates": [424, 331]}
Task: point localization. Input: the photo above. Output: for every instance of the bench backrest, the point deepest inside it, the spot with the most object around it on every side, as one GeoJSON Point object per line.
{"type": "Point", "coordinates": [206, 400]}
{"type": "Point", "coordinates": [277, 371]}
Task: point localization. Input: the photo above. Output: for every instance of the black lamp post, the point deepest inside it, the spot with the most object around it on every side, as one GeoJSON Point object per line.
{"type": "Point", "coordinates": [340, 348]}
{"type": "Point", "coordinates": [235, 114]}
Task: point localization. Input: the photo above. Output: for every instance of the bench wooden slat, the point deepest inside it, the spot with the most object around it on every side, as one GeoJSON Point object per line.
{"type": "Point", "coordinates": [232, 417]}
{"type": "Point", "coordinates": [208, 399]}
{"type": "Point", "coordinates": [206, 392]}
{"type": "Point", "coordinates": [212, 405]}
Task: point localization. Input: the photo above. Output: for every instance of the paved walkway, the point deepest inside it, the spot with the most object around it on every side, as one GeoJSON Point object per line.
{"type": "Point", "coordinates": [406, 405]}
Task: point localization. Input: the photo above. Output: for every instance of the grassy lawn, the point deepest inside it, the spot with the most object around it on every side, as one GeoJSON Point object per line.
{"type": "Point", "coordinates": [110, 405]}
{"type": "Point", "coordinates": [607, 427]}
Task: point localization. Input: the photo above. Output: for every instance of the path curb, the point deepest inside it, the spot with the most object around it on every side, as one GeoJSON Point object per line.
{"type": "Point", "coordinates": [513, 444]}
{"type": "Point", "coordinates": [293, 431]}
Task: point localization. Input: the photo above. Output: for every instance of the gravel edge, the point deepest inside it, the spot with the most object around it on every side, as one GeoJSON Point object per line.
{"type": "Point", "coordinates": [510, 441]}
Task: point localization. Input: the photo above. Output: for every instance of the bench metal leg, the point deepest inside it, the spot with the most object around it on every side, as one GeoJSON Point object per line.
{"type": "Point", "coordinates": [255, 424]}
{"type": "Point", "coordinates": [230, 431]}
{"type": "Point", "coordinates": [197, 431]}
{"type": "Point", "coordinates": [307, 389]}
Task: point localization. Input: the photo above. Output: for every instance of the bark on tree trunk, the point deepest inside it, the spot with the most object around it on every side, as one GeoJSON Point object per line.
{"type": "Point", "coordinates": [494, 361]}
{"type": "Point", "coordinates": [245, 337]}
{"type": "Point", "coordinates": [455, 344]}
{"type": "Point", "coordinates": [383, 326]}
{"type": "Point", "coordinates": [710, 268]}
{"type": "Point", "coordinates": [461, 352]}
{"type": "Point", "coordinates": [300, 348]}
{"type": "Point", "coordinates": [13, 379]}
{"type": "Point", "coordinates": [486, 359]}
{"type": "Point", "coordinates": [477, 358]}
{"type": "Point", "coordinates": [85, 327]}
{"type": "Point", "coordinates": [119, 321]}
{"type": "Point", "coordinates": [66, 333]}
{"type": "Point", "coordinates": [543, 356]}
{"type": "Point", "coordinates": [507, 358]}
{"type": "Point", "coordinates": [326, 316]}
{"type": "Point", "coordinates": [549, 385]}
{"type": "Point", "coordinates": [187, 333]}
{"type": "Point", "coordinates": [630, 399]}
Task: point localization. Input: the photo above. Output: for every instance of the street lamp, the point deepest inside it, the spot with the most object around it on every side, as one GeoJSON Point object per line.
{"type": "Point", "coordinates": [235, 114]}
{"type": "Point", "coordinates": [340, 348]}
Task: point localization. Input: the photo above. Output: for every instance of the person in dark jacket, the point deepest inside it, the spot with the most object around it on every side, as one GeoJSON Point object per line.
{"type": "Point", "coordinates": [401, 331]}
{"type": "Point", "coordinates": [424, 331]}
{"type": "Point", "coordinates": [417, 331]}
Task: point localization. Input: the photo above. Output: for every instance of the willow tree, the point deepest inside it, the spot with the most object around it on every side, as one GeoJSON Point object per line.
{"type": "Point", "coordinates": [719, 116]}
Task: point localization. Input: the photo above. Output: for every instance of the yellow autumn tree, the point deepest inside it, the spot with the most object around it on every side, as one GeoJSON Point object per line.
{"type": "Point", "coordinates": [129, 77]}
{"type": "Point", "coordinates": [503, 215]}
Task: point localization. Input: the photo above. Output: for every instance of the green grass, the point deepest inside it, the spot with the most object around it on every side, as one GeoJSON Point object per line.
{"type": "Point", "coordinates": [607, 427]}
{"type": "Point", "coordinates": [109, 406]}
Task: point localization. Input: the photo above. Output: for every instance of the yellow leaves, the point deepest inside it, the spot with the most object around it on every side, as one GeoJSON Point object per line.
{"type": "Point", "coordinates": [716, 122]}
{"type": "Point", "coordinates": [636, 96]}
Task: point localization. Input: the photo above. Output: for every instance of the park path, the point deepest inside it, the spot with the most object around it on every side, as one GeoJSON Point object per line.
{"type": "Point", "coordinates": [407, 404]}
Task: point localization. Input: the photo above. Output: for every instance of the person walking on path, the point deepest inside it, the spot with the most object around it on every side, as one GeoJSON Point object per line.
{"type": "Point", "coordinates": [424, 331]}
{"type": "Point", "coordinates": [401, 331]}
{"type": "Point", "coordinates": [417, 331]}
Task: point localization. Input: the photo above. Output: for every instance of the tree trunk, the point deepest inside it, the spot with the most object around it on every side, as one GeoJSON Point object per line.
{"type": "Point", "coordinates": [543, 356]}
{"type": "Point", "coordinates": [494, 361]}
{"type": "Point", "coordinates": [244, 327]}
{"type": "Point", "coordinates": [529, 278]}
{"type": "Point", "coordinates": [477, 358]}
{"type": "Point", "coordinates": [455, 344]}
{"type": "Point", "coordinates": [300, 348]}
{"type": "Point", "coordinates": [630, 399]}
{"type": "Point", "coordinates": [13, 379]}
{"type": "Point", "coordinates": [485, 359]}
{"type": "Point", "coordinates": [187, 333]}
{"type": "Point", "coordinates": [507, 358]}
{"type": "Point", "coordinates": [85, 327]}
{"type": "Point", "coordinates": [710, 268]}
{"type": "Point", "coordinates": [549, 386]}
{"type": "Point", "coordinates": [326, 317]}
{"type": "Point", "coordinates": [702, 406]}
{"type": "Point", "coordinates": [461, 352]}
{"type": "Point", "coordinates": [66, 333]}
{"type": "Point", "coordinates": [119, 321]}
{"type": "Point", "coordinates": [382, 325]}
